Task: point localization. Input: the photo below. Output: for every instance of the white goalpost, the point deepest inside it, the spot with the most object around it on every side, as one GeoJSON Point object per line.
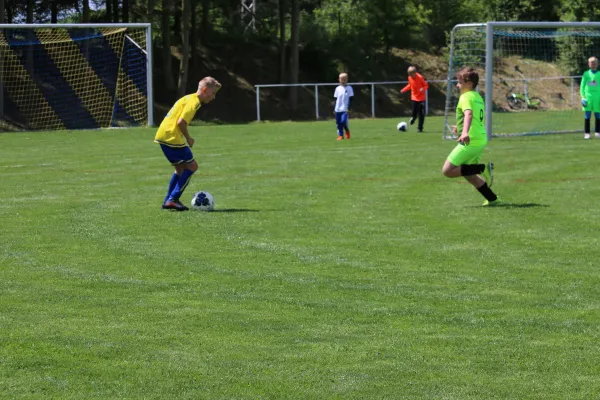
{"type": "Point", "coordinates": [75, 76]}
{"type": "Point", "coordinates": [529, 74]}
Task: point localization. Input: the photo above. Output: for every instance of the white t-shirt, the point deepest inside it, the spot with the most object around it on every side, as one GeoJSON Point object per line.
{"type": "Point", "coordinates": [342, 95]}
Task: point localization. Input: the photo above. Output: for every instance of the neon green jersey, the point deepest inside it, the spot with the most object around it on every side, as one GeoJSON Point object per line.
{"type": "Point", "coordinates": [472, 100]}
{"type": "Point", "coordinates": [590, 84]}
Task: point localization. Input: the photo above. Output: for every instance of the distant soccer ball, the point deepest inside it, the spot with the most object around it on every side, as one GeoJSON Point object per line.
{"type": "Point", "coordinates": [402, 126]}
{"type": "Point", "coordinates": [203, 201]}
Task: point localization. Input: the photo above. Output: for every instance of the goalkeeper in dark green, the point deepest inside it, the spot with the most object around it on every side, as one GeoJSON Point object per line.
{"type": "Point", "coordinates": [590, 96]}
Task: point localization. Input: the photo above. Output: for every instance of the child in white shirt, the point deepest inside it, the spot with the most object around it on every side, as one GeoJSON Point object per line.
{"type": "Point", "coordinates": [343, 95]}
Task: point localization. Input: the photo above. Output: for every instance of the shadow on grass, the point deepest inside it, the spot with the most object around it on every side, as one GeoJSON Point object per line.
{"type": "Point", "coordinates": [514, 205]}
{"type": "Point", "coordinates": [233, 210]}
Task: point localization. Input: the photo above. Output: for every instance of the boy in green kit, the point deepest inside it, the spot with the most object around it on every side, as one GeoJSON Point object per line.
{"type": "Point", "coordinates": [470, 119]}
{"type": "Point", "coordinates": [590, 96]}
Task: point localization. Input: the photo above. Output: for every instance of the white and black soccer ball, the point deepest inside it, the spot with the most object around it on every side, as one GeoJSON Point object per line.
{"type": "Point", "coordinates": [402, 126]}
{"type": "Point", "coordinates": [203, 201]}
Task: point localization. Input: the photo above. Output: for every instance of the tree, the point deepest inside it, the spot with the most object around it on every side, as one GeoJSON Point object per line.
{"type": "Point", "coordinates": [205, 23]}
{"type": "Point", "coordinates": [30, 5]}
{"type": "Point", "coordinates": [282, 5]}
{"type": "Point", "coordinates": [85, 18]}
{"type": "Point", "coordinates": [125, 11]}
{"type": "Point", "coordinates": [295, 52]}
{"type": "Point", "coordinates": [109, 12]}
{"type": "Point", "coordinates": [166, 42]}
{"type": "Point", "coordinates": [186, 10]}
{"type": "Point", "coordinates": [54, 12]}
{"type": "Point", "coordinates": [115, 9]}
{"type": "Point", "coordinates": [194, 35]}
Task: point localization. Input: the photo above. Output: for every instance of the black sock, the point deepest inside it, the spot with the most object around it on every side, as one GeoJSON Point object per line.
{"type": "Point", "coordinates": [597, 126]}
{"type": "Point", "coordinates": [487, 192]}
{"type": "Point", "coordinates": [587, 126]}
{"type": "Point", "coordinates": [471, 169]}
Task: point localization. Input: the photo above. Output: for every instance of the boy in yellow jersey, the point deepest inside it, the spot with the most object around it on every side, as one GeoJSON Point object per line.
{"type": "Point", "coordinates": [470, 119]}
{"type": "Point", "coordinates": [172, 136]}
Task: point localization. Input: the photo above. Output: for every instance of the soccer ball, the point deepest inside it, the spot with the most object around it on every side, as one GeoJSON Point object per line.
{"type": "Point", "coordinates": [203, 201]}
{"type": "Point", "coordinates": [402, 126]}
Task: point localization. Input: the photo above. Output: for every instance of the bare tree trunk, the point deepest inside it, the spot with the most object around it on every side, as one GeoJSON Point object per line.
{"type": "Point", "coordinates": [86, 12]}
{"type": "Point", "coordinates": [205, 24]}
{"type": "Point", "coordinates": [295, 56]}
{"type": "Point", "coordinates": [9, 13]}
{"type": "Point", "coordinates": [194, 36]}
{"type": "Point", "coordinates": [149, 10]}
{"type": "Point", "coordinates": [109, 13]}
{"type": "Point", "coordinates": [166, 42]}
{"type": "Point", "coordinates": [53, 12]}
{"type": "Point", "coordinates": [125, 11]}
{"type": "Point", "coordinates": [115, 8]}
{"type": "Point", "coordinates": [186, 10]}
{"type": "Point", "coordinates": [29, 18]}
{"type": "Point", "coordinates": [176, 21]}
{"type": "Point", "coordinates": [282, 9]}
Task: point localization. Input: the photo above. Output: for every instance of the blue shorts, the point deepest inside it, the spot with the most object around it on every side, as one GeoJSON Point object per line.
{"type": "Point", "coordinates": [177, 155]}
{"type": "Point", "coordinates": [341, 118]}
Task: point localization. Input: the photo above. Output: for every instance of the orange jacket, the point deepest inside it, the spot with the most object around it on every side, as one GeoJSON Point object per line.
{"type": "Point", "coordinates": [417, 87]}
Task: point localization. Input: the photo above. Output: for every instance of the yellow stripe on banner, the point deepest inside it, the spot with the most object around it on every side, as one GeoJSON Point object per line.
{"type": "Point", "coordinates": [25, 94]}
{"type": "Point", "coordinates": [83, 80]}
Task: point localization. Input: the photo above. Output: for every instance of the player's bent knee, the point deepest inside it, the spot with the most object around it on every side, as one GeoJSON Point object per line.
{"type": "Point", "coordinates": [448, 170]}
{"type": "Point", "coordinates": [193, 166]}
{"type": "Point", "coordinates": [179, 168]}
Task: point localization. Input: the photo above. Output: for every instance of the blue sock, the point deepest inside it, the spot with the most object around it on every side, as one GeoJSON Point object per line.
{"type": "Point", "coordinates": [182, 183]}
{"type": "Point", "coordinates": [172, 183]}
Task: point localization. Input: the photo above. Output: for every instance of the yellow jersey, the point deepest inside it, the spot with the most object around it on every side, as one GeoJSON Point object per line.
{"type": "Point", "coordinates": [168, 132]}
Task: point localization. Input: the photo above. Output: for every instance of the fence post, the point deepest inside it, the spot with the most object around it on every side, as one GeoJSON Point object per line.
{"type": "Point", "coordinates": [426, 102]}
{"type": "Point", "coordinates": [317, 101]}
{"type": "Point", "coordinates": [372, 100]}
{"type": "Point", "coordinates": [258, 103]}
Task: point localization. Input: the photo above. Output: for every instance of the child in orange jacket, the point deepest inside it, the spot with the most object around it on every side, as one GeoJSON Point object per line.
{"type": "Point", "coordinates": [417, 86]}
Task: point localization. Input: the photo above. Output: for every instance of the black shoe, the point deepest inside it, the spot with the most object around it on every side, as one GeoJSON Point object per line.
{"type": "Point", "coordinates": [420, 130]}
{"type": "Point", "coordinates": [412, 120]}
{"type": "Point", "coordinates": [174, 205]}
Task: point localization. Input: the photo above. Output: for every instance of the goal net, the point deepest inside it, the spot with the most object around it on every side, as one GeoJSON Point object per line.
{"type": "Point", "coordinates": [55, 77]}
{"type": "Point", "coordinates": [529, 74]}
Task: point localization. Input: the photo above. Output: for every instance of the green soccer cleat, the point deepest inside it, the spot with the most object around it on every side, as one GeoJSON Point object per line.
{"type": "Point", "coordinates": [488, 174]}
{"type": "Point", "coordinates": [488, 203]}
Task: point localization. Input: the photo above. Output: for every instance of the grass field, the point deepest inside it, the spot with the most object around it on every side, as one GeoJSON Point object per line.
{"type": "Point", "coordinates": [329, 270]}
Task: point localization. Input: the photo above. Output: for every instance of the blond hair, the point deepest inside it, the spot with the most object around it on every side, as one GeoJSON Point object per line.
{"type": "Point", "coordinates": [412, 69]}
{"type": "Point", "coordinates": [210, 83]}
{"type": "Point", "coordinates": [592, 59]}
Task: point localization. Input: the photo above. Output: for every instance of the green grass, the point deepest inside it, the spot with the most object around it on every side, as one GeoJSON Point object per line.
{"type": "Point", "coordinates": [330, 270]}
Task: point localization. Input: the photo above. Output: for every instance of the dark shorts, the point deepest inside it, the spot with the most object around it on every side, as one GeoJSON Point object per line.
{"type": "Point", "coordinates": [341, 118]}
{"type": "Point", "coordinates": [177, 155]}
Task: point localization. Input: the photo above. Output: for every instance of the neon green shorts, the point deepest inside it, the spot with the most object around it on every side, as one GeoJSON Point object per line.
{"type": "Point", "coordinates": [466, 154]}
